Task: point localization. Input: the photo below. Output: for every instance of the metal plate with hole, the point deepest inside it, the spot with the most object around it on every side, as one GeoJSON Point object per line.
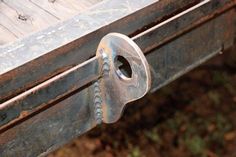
{"type": "Point", "coordinates": [128, 78]}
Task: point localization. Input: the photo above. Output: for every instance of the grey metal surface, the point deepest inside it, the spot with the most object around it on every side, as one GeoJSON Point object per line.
{"type": "Point", "coordinates": [43, 132]}
{"type": "Point", "coordinates": [49, 91]}
{"type": "Point", "coordinates": [179, 56]}
{"type": "Point", "coordinates": [118, 88]}
{"type": "Point", "coordinates": [52, 48]}
{"type": "Point", "coordinates": [36, 58]}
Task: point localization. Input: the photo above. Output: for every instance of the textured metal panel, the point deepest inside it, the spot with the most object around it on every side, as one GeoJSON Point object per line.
{"type": "Point", "coordinates": [49, 91]}
{"type": "Point", "coordinates": [184, 53]}
{"type": "Point", "coordinates": [43, 132]}
{"type": "Point", "coordinates": [181, 23]}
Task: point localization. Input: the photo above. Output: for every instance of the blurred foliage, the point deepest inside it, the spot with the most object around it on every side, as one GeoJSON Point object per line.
{"type": "Point", "coordinates": [135, 152]}
{"type": "Point", "coordinates": [196, 145]}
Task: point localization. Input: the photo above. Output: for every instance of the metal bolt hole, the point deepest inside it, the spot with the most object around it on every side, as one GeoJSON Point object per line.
{"type": "Point", "coordinates": [123, 68]}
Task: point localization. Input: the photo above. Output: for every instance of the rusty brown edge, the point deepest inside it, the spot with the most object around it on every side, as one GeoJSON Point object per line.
{"type": "Point", "coordinates": [58, 57]}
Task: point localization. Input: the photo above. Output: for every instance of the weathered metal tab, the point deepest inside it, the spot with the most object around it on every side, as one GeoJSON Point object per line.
{"type": "Point", "coordinates": [126, 74]}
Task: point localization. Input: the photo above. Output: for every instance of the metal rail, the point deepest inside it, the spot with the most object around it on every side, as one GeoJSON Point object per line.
{"type": "Point", "coordinates": [62, 105]}
{"type": "Point", "coordinates": [82, 74]}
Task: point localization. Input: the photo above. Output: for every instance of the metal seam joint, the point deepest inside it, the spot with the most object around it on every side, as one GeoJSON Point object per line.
{"type": "Point", "coordinates": [97, 91]}
{"type": "Point", "coordinates": [98, 103]}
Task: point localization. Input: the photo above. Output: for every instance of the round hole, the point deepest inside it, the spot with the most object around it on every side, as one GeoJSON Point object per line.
{"type": "Point", "coordinates": [123, 68]}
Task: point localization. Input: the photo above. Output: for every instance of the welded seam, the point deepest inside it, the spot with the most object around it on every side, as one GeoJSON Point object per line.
{"type": "Point", "coordinates": [98, 102]}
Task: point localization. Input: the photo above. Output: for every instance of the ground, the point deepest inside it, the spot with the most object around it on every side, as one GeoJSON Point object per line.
{"type": "Point", "coordinates": [195, 116]}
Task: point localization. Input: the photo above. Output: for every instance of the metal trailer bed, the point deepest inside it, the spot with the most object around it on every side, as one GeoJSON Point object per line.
{"type": "Point", "coordinates": [57, 81]}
